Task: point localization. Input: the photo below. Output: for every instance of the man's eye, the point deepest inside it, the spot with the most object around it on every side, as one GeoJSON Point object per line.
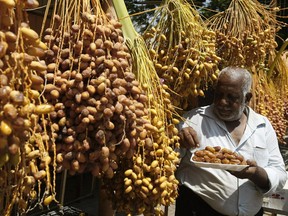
{"type": "Point", "coordinates": [232, 98]}
{"type": "Point", "coordinates": [217, 95]}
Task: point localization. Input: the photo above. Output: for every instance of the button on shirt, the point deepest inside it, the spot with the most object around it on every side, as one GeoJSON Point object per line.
{"type": "Point", "coordinates": [222, 191]}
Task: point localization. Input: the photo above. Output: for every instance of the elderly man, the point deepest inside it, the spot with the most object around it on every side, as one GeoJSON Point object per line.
{"type": "Point", "coordinates": [230, 123]}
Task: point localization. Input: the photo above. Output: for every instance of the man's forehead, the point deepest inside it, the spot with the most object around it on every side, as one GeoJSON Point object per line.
{"type": "Point", "coordinates": [235, 81]}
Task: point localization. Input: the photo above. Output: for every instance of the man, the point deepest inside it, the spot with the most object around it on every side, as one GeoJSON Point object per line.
{"type": "Point", "coordinates": [230, 123]}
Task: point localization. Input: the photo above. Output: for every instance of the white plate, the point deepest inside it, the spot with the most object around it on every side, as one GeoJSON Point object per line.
{"type": "Point", "coordinates": [230, 167]}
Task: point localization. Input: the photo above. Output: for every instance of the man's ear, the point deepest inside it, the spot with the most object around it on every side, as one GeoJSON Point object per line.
{"type": "Point", "coordinates": [248, 97]}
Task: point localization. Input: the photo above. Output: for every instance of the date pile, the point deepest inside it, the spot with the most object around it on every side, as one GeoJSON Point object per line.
{"type": "Point", "coordinates": [218, 155]}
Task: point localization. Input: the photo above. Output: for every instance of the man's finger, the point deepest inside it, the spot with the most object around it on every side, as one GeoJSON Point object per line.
{"type": "Point", "coordinates": [195, 137]}
{"type": "Point", "coordinates": [190, 138]}
{"type": "Point", "coordinates": [182, 140]}
{"type": "Point", "coordinates": [251, 163]}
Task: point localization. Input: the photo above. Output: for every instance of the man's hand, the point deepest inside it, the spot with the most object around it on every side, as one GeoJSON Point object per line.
{"type": "Point", "coordinates": [188, 138]}
{"type": "Point", "coordinates": [254, 173]}
{"type": "Point", "coordinates": [246, 172]}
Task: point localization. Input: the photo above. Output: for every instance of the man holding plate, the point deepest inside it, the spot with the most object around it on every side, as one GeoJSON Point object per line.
{"type": "Point", "coordinates": [230, 123]}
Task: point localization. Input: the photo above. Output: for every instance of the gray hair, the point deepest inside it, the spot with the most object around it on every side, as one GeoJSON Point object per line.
{"type": "Point", "coordinates": [238, 72]}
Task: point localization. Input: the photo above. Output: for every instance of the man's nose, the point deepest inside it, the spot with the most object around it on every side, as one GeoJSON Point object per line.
{"type": "Point", "coordinates": [223, 101]}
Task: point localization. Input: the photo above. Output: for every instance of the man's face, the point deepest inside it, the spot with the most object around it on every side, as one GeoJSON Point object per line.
{"type": "Point", "coordinates": [229, 101]}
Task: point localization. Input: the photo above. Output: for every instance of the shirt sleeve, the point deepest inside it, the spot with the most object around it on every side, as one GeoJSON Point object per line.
{"type": "Point", "coordinates": [183, 124]}
{"type": "Point", "coordinates": [181, 151]}
{"type": "Point", "coordinates": [276, 167]}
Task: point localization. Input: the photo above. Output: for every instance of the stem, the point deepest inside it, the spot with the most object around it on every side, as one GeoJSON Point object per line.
{"type": "Point", "coordinates": [277, 57]}
{"type": "Point", "coordinates": [124, 18]}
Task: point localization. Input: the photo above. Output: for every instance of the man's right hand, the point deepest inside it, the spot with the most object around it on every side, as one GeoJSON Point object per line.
{"type": "Point", "coordinates": [188, 138]}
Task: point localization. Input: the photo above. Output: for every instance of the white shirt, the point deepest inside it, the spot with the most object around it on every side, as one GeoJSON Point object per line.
{"type": "Point", "coordinates": [222, 191]}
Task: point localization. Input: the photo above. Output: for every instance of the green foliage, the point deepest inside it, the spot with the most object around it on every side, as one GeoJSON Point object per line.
{"type": "Point", "coordinates": [142, 11]}
{"type": "Point", "coordinates": [214, 6]}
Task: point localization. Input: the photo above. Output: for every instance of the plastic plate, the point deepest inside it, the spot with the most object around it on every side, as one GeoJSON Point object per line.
{"type": "Point", "coordinates": [230, 167]}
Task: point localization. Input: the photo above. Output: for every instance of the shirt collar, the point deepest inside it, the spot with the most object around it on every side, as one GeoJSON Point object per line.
{"type": "Point", "coordinates": [253, 119]}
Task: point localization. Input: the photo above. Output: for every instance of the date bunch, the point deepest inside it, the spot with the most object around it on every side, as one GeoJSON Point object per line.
{"type": "Point", "coordinates": [217, 154]}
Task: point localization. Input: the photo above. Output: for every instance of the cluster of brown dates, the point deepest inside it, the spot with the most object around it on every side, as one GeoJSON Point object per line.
{"type": "Point", "coordinates": [217, 154]}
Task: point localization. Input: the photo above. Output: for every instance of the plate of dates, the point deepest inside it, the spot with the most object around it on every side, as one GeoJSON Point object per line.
{"type": "Point", "coordinates": [219, 158]}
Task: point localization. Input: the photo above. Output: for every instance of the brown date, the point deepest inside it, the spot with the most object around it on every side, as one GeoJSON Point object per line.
{"type": "Point", "coordinates": [216, 154]}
